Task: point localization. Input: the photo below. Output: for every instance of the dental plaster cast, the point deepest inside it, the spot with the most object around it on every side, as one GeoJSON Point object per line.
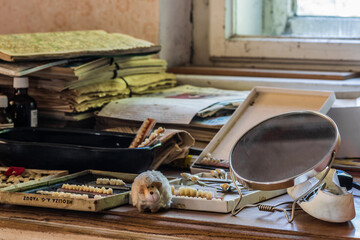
{"type": "Point", "coordinates": [331, 204]}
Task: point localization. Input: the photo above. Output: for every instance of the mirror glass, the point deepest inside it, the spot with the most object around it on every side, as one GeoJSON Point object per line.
{"type": "Point", "coordinates": [283, 147]}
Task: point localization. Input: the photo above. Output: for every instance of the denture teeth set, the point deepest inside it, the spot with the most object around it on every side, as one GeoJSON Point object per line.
{"type": "Point", "coordinates": [144, 130]}
{"type": "Point", "coordinates": [153, 136]}
{"type": "Point", "coordinates": [24, 177]}
{"type": "Point", "coordinates": [192, 192]}
{"type": "Point", "coordinates": [141, 139]}
{"type": "Point", "coordinates": [96, 192]}
{"type": "Point", "coordinates": [209, 160]}
{"type": "Point", "coordinates": [89, 189]}
{"type": "Point", "coordinates": [112, 181]}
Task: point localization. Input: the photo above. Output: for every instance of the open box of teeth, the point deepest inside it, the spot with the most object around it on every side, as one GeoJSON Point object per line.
{"type": "Point", "coordinates": [18, 176]}
{"type": "Point", "coordinates": [213, 192]}
{"type": "Point", "coordinates": [89, 190]}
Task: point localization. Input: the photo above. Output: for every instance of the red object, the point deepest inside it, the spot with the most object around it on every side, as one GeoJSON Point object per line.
{"type": "Point", "coordinates": [14, 171]}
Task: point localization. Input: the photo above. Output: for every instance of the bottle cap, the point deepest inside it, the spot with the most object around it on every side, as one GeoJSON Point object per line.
{"type": "Point", "coordinates": [3, 101]}
{"type": "Point", "coordinates": [21, 82]}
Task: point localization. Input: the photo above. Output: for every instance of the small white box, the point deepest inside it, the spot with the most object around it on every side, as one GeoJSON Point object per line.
{"type": "Point", "coordinates": [226, 204]}
{"type": "Point", "coordinates": [346, 115]}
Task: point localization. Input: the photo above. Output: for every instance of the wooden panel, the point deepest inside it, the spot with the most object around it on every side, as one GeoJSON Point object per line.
{"type": "Point", "coordinates": [273, 73]}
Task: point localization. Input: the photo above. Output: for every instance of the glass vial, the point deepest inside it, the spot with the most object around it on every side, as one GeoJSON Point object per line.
{"type": "Point", "coordinates": [22, 107]}
{"type": "Point", "coordinates": [5, 119]}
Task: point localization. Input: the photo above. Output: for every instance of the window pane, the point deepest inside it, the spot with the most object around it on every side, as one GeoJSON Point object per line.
{"type": "Point", "coordinates": [249, 20]}
{"type": "Point", "coordinates": [335, 8]}
{"type": "Point", "coordinates": [297, 18]}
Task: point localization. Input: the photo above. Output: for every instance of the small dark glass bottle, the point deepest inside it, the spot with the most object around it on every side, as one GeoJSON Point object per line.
{"type": "Point", "coordinates": [22, 107]}
{"type": "Point", "coordinates": [5, 119]}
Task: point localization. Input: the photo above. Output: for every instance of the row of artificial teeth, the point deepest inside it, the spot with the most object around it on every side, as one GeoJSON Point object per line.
{"type": "Point", "coordinates": [155, 134]}
{"type": "Point", "coordinates": [85, 188]}
{"type": "Point", "coordinates": [206, 160]}
{"type": "Point", "coordinates": [192, 192]}
{"type": "Point", "coordinates": [68, 195]}
{"type": "Point", "coordinates": [209, 159]}
{"type": "Point", "coordinates": [213, 199]}
{"type": "Point", "coordinates": [145, 127]}
{"type": "Point", "coordinates": [16, 179]}
{"type": "Point", "coordinates": [112, 181]}
{"type": "Point", "coordinates": [218, 173]}
{"type": "Point", "coordinates": [29, 176]}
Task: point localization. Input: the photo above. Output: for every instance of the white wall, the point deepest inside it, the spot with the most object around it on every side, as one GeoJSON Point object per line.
{"type": "Point", "coordinates": [175, 33]}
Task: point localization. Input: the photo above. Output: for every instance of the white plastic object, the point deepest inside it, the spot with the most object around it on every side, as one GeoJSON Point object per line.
{"type": "Point", "coordinates": [334, 204]}
{"type": "Point", "coordinates": [21, 82]}
{"type": "Point", "coordinates": [3, 101]}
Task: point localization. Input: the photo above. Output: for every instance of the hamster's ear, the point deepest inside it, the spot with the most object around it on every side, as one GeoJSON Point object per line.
{"type": "Point", "coordinates": [157, 184]}
{"type": "Point", "coordinates": [141, 189]}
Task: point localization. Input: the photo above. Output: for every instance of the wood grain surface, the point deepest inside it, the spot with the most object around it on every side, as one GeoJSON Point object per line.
{"type": "Point", "coordinates": [127, 223]}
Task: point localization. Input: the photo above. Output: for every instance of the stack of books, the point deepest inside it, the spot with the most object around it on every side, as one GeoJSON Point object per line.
{"type": "Point", "coordinates": [74, 84]}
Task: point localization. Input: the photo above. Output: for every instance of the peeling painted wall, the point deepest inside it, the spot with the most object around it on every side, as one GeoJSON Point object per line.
{"type": "Point", "coordinates": [139, 18]}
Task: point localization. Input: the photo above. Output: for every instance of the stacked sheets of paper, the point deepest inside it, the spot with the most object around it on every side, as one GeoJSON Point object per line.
{"type": "Point", "coordinates": [70, 84]}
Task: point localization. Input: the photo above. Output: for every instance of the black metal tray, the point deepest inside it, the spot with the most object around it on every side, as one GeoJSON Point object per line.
{"type": "Point", "coordinates": [73, 150]}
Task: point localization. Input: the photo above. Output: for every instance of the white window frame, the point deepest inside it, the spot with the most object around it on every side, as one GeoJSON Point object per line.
{"type": "Point", "coordinates": [335, 54]}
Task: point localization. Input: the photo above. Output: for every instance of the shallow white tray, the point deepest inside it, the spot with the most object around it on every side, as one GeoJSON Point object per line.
{"type": "Point", "coordinates": [262, 103]}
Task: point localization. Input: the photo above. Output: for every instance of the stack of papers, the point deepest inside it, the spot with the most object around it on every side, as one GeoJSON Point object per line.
{"type": "Point", "coordinates": [200, 111]}
{"type": "Point", "coordinates": [71, 89]}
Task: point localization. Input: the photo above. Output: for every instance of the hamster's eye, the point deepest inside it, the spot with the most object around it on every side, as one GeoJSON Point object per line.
{"type": "Point", "coordinates": [147, 187]}
{"type": "Point", "coordinates": [152, 186]}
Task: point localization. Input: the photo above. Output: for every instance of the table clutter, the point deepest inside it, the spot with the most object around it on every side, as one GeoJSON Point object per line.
{"type": "Point", "coordinates": [210, 186]}
{"type": "Point", "coordinates": [14, 176]}
{"type": "Point", "coordinates": [144, 123]}
{"type": "Point", "coordinates": [201, 111]}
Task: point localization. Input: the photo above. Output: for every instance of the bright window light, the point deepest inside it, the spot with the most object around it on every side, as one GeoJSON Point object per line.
{"type": "Point", "coordinates": [331, 8]}
{"type": "Point", "coordinates": [297, 18]}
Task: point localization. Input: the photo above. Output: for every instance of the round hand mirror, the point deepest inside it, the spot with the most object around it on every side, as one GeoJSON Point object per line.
{"type": "Point", "coordinates": [285, 150]}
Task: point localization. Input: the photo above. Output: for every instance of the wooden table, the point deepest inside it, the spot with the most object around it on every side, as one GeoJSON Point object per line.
{"type": "Point", "coordinates": [17, 222]}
